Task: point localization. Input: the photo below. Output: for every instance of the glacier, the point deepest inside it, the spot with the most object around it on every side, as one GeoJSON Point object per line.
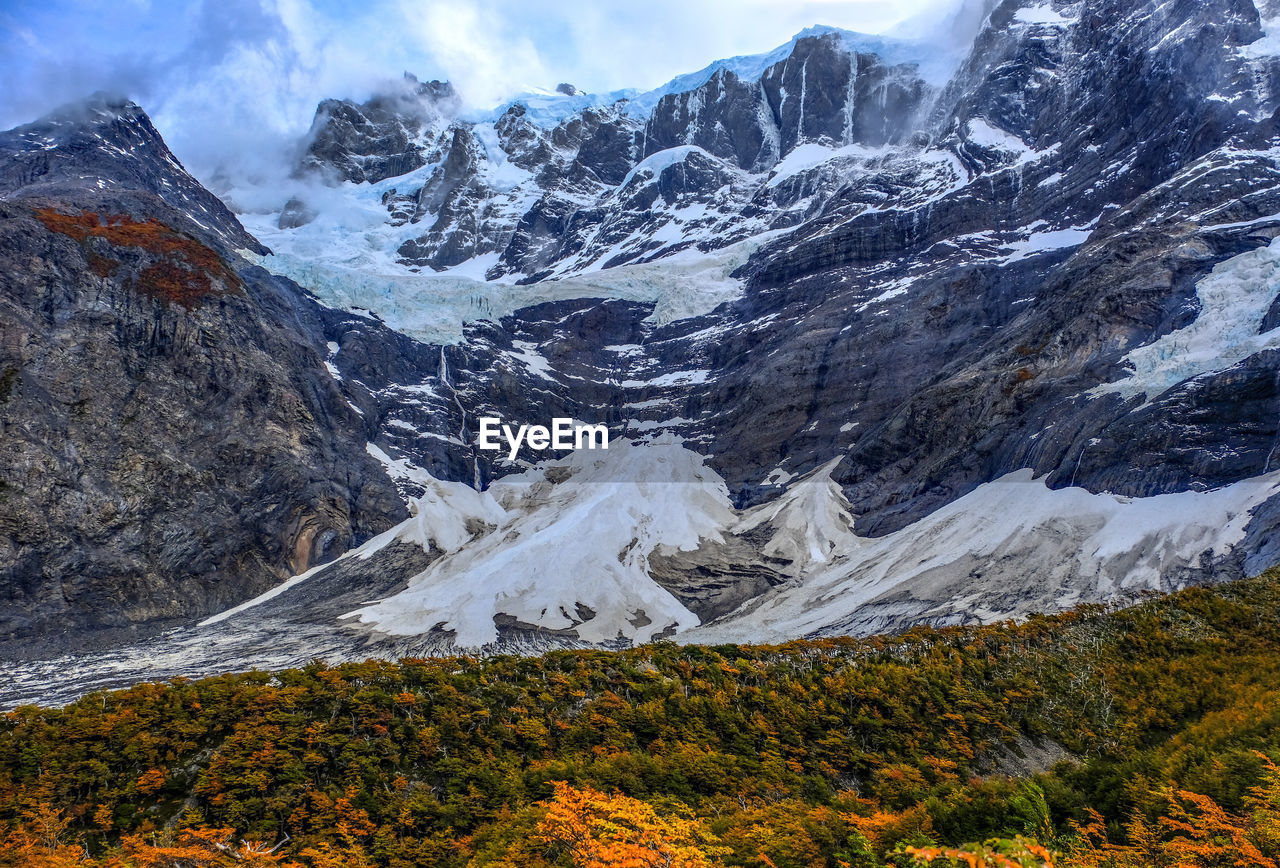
{"type": "Point", "coordinates": [1234, 300]}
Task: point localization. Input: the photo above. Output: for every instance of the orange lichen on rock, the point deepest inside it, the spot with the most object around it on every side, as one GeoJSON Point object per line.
{"type": "Point", "coordinates": [185, 271]}
{"type": "Point", "coordinates": [103, 266]}
{"type": "Point", "coordinates": [171, 282]}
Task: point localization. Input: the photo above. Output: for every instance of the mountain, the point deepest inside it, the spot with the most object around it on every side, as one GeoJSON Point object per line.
{"type": "Point", "coordinates": [172, 439]}
{"type": "Point", "coordinates": [882, 337]}
{"type": "Point", "coordinates": [534, 193]}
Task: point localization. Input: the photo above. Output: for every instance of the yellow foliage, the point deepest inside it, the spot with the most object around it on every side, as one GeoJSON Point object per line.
{"type": "Point", "coordinates": [614, 831]}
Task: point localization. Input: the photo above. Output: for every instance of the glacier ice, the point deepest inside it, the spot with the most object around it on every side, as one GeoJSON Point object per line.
{"type": "Point", "coordinates": [1234, 300]}
{"type": "Point", "coordinates": [1007, 548]}
{"type": "Point", "coordinates": [571, 554]}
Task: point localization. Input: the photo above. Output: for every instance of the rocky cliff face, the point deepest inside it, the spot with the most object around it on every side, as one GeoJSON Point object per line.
{"type": "Point", "coordinates": [928, 349]}
{"type": "Point", "coordinates": [172, 440]}
{"type": "Point", "coordinates": [385, 137]}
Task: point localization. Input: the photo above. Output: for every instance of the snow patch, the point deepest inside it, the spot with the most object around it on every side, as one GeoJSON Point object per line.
{"type": "Point", "coordinates": [778, 476]}
{"type": "Point", "coordinates": [652, 425]}
{"type": "Point", "coordinates": [1043, 242]}
{"type": "Point", "coordinates": [1234, 300]}
{"type": "Point", "coordinates": [682, 286]}
{"type": "Point", "coordinates": [400, 469]}
{"type": "Point", "coordinates": [1042, 14]}
{"type": "Point", "coordinates": [328, 363]}
{"type": "Point", "coordinates": [528, 354]}
{"type": "Point", "coordinates": [806, 156]}
{"type": "Point", "coordinates": [984, 135]}
{"type": "Point", "coordinates": [892, 290]}
{"type": "Point", "coordinates": [976, 555]}
{"type": "Point", "coordinates": [653, 165]}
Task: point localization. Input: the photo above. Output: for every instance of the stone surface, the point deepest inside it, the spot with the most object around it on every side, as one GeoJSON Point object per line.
{"type": "Point", "coordinates": [171, 439]}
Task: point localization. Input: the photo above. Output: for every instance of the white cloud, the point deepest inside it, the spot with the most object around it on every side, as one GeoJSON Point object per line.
{"type": "Point", "coordinates": [472, 44]}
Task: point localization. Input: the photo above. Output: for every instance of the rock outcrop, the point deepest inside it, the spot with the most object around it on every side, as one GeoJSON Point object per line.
{"type": "Point", "coordinates": [172, 440]}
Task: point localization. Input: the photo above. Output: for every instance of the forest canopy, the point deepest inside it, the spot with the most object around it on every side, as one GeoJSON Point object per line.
{"type": "Point", "coordinates": [1141, 736]}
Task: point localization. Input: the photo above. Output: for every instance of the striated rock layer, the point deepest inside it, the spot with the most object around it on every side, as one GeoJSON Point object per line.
{"type": "Point", "coordinates": [172, 441]}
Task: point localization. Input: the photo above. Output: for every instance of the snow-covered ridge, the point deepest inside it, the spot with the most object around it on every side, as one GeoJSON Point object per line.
{"type": "Point", "coordinates": [936, 64]}
{"type": "Point", "coordinates": [1009, 547]}
{"type": "Point", "coordinates": [547, 108]}
{"type": "Point", "coordinates": [811, 521]}
{"type": "Point", "coordinates": [573, 553]}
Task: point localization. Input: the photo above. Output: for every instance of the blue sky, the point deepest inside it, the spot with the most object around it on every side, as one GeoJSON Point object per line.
{"type": "Point", "coordinates": [239, 77]}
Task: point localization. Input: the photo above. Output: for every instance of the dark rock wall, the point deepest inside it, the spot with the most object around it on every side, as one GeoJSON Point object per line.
{"type": "Point", "coordinates": [170, 439]}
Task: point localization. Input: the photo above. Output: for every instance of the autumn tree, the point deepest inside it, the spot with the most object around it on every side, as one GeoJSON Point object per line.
{"type": "Point", "coordinates": [996, 853]}
{"type": "Point", "coordinates": [613, 831]}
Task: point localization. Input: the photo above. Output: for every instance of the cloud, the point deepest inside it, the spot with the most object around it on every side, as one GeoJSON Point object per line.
{"type": "Point", "coordinates": [471, 44]}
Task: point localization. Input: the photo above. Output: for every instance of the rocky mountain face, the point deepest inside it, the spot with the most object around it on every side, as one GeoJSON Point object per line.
{"type": "Point", "coordinates": [1033, 223]}
{"type": "Point", "coordinates": [381, 138]}
{"type": "Point", "coordinates": [600, 186]}
{"type": "Point", "coordinates": [172, 441]}
{"type": "Point", "coordinates": [895, 348]}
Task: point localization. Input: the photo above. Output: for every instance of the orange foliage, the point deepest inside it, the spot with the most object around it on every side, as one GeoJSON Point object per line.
{"type": "Point", "coordinates": [196, 848]}
{"type": "Point", "coordinates": [151, 782]}
{"type": "Point", "coordinates": [41, 841]}
{"type": "Point", "coordinates": [185, 268]}
{"type": "Point", "coordinates": [1017, 853]}
{"type": "Point", "coordinates": [1193, 831]}
{"type": "Point", "coordinates": [614, 831]}
{"type": "Point", "coordinates": [886, 828]}
{"type": "Point", "coordinates": [820, 755]}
